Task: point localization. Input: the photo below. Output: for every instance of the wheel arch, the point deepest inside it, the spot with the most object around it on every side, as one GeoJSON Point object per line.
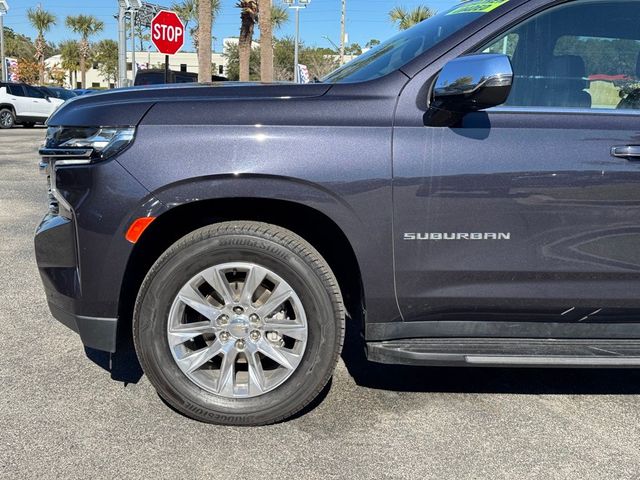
{"type": "Point", "coordinates": [311, 224]}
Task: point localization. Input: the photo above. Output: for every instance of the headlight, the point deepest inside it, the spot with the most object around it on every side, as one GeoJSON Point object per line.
{"type": "Point", "coordinates": [82, 145]}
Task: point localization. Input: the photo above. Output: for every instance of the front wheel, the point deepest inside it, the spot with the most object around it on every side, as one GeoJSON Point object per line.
{"type": "Point", "coordinates": [239, 323]}
{"type": "Point", "coordinates": [7, 119]}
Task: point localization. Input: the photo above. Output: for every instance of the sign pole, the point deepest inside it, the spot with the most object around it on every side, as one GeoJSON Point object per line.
{"type": "Point", "coordinates": [166, 69]}
{"type": "Point", "coordinates": [3, 61]}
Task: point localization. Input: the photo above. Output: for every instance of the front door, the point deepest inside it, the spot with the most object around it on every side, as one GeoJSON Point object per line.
{"type": "Point", "coordinates": [520, 221]}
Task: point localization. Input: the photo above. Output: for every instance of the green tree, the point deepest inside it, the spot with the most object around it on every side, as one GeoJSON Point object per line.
{"type": "Point", "coordinates": [374, 42]}
{"type": "Point", "coordinates": [187, 10]}
{"type": "Point", "coordinates": [85, 26]}
{"type": "Point", "coordinates": [405, 19]}
{"type": "Point", "coordinates": [18, 45]}
{"type": "Point", "coordinates": [353, 49]}
{"type": "Point", "coordinates": [231, 53]}
{"type": "Point", "coordinates": [105, 54]}
{"type": "Point", "coordinates": [42, 21]}
{"type": "Point", "coordinates": [70, 59]}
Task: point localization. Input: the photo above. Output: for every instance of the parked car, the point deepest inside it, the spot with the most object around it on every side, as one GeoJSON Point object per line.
{"type": "Point", "coordinates": [156, 76]}
{"type": "Point", "coordinates": [59, 92]}
{"type": "Point", "coordinates": [453, 193]}
{"type": "Point", "coordinates": [85, 91]}
{"type": "Point", "coordinates": [26, 105]}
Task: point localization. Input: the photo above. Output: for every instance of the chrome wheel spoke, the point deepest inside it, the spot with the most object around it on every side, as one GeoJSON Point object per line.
{"type": "Point", "coordinates": [279, 295]}
{"type": "Point", "coordinates": [192, 297]}
{"type": "Point", "coordinates": [287, 359]}
{"type": "Point", "coordinates": [295, 331]}
{"type": "Point", "coordinates": [226, 380]}
{"type": "Point", "coordinates": [257, 381]}
{"type": "Point", "coordinates": [255, 276]}
{"type": "Point", "coordinates": [216, 278]}
{"type": "Point", "coordinates": [195, 360]}
{"type": "Point", "coordinates": [189, 331]}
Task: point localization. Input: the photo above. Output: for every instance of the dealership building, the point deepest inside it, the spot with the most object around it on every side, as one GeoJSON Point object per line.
{"type": "Point", "coordinates": [180, 62]}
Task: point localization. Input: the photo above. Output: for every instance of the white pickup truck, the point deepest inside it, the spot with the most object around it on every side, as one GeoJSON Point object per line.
{"type": "Point", "coordinates": [22, 104]}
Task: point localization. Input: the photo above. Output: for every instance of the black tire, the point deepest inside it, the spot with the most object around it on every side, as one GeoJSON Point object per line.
{"type": "Point", "coordinates": [28, 124]}
{"type": "Point", "coordinates": [285, 253]}
{"type": "Point", "coordinates": [7, 118]}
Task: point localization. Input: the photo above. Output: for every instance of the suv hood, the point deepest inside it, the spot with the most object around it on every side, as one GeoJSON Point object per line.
{"type": "Point", "coordinates": [127, 106]}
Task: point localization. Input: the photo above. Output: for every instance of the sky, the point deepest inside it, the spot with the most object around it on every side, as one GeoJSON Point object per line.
{"type": "Point", "coordinates": [366, 19]}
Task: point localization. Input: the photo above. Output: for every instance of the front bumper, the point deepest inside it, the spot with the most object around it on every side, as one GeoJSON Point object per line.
{"type": "Point", "coordinates": [80, 245]}
{"type": "Point", "coordinates": [56, 254]}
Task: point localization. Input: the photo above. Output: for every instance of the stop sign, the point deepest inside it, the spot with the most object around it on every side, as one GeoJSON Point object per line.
{"type": "Point", "coordinates": [167, 32]}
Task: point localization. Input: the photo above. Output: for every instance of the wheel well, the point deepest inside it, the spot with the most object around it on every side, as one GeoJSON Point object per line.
{"type": "Point", "coordinates": [312, 225]}
{"type": "Point", "coordinates": [9, 106]}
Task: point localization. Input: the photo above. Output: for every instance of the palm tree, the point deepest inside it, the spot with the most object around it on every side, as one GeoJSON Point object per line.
{"type": "Point", "coordinates": [267, 23]}
{"type": "Point", "coordinates": [70, 57]}
{"type": "Point", "coordinates": [42, 21]}
{"type": "Point", "coordinates": [205, 24]}
{"type": "Point", "coordinates": [279, 16]}
{"type": "Point", "coordinates": [248, 17]}
{"type": "Point", "coordinates": [187, 10]}
{"type": "Point", "coordinates": [85, 26]}
{"type": "Point", "coordinates": [408, 18]}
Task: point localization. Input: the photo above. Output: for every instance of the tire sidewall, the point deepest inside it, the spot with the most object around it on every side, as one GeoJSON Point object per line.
{"type": "Point", "coordinates": [177, 269]}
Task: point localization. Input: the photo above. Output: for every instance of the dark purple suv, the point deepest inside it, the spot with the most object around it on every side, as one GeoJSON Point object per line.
{"type": "Point", "coordinates": [466, 193]}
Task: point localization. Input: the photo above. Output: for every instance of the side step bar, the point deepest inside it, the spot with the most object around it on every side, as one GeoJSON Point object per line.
{"type": "Point", "coordinates": [510, 352]}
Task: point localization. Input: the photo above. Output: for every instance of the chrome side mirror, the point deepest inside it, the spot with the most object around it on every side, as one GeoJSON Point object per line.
{"type": "Point", "coordinates": [469, 84]}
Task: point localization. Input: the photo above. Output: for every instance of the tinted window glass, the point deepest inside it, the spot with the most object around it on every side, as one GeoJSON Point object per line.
{"type": "Point", "coordinates": [34, 92]}
{"type": "Point", "coordinates": [15, 90]}
{"type": "Point", "coordinates": [585, 54]}
{"type": "Point", "coordinates": [400, 50]}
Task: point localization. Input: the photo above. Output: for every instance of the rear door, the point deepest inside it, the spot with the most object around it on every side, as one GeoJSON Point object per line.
{"type": "Point", "coordinates": [520, 221]}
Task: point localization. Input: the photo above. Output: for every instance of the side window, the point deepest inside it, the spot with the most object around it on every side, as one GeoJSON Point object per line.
{"type": "Point", "coordinates": [15, 90]}
{"type": "Point", "coordinates": [506, 45]}
{"type": "Point", "coordinates": [583, 54]}
{"type": "Point", "coordinates": [33, 92]}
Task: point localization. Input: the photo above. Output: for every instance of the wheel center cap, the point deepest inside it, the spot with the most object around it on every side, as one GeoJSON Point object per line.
{"type": "Point", "coordinates": [239, 326]}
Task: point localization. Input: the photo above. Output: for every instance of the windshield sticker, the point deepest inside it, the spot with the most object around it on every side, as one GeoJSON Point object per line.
{"type": "Point", "coordinates": [478, 6]}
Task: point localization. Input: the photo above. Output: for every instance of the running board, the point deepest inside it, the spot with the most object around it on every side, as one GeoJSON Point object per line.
{"type": "Point", "coordinates": [507, 352]}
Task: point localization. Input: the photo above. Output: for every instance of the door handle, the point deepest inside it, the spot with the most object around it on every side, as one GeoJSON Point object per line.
{"type": "Point", "coordinates": [630, 152]}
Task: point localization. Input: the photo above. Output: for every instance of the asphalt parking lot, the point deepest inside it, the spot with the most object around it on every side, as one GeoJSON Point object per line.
{"type": "Point", "coordinates": [65, 415]}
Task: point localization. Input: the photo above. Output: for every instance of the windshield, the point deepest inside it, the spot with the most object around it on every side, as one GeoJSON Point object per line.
{"type": "Point", "coordinates": [398, 51]}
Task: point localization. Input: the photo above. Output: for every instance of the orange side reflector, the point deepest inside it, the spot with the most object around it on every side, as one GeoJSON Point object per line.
{"type": "Point", "coordinates": [137, 228]}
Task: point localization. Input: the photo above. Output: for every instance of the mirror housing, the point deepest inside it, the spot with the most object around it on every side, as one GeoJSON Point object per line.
{"type": "Point", "coordinates": [469, 84]}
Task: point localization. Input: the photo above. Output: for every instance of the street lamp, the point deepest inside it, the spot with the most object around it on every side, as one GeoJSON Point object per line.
{"type": "Point", "coordinates": [297, 5]}
{"type": "Point", "coordinates": [4, 8]}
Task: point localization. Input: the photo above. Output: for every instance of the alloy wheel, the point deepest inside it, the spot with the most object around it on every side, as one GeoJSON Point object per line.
{"type": "Point", "coordinates": [237, 330]}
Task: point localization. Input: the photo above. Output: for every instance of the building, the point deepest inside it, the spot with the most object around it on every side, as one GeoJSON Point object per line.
{"type": "Point", "coordinates": [184, 62]}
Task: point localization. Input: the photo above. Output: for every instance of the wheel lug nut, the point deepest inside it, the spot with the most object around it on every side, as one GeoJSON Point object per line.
{"type": "Point", "coordinates": [240, 344]}
{"type": "Point", "coordinates": [273, 337]}
{"type": "Point", "coordinates": [238, 310]}
{"type": "Point", "coordinates": [223, 320]}
{"type": "Point", "coordinates": [224, 336]}
{"type": "Point", "coordinates": [253, 318]}
{"type": "Point", "coordinates": [254, 335]}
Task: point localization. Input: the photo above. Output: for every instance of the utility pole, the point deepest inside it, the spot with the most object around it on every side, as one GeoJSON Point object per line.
{"type": "Point", "coordinates": [297, 5]}
{"type": "Point", "coordinates": [122, 46]}
{"type": "Point", "coordinates": [132, 17]}
{"type": "Point", "coordinates": [4, 75]}
{"type": "Point", "coordinates": [343, 21]}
